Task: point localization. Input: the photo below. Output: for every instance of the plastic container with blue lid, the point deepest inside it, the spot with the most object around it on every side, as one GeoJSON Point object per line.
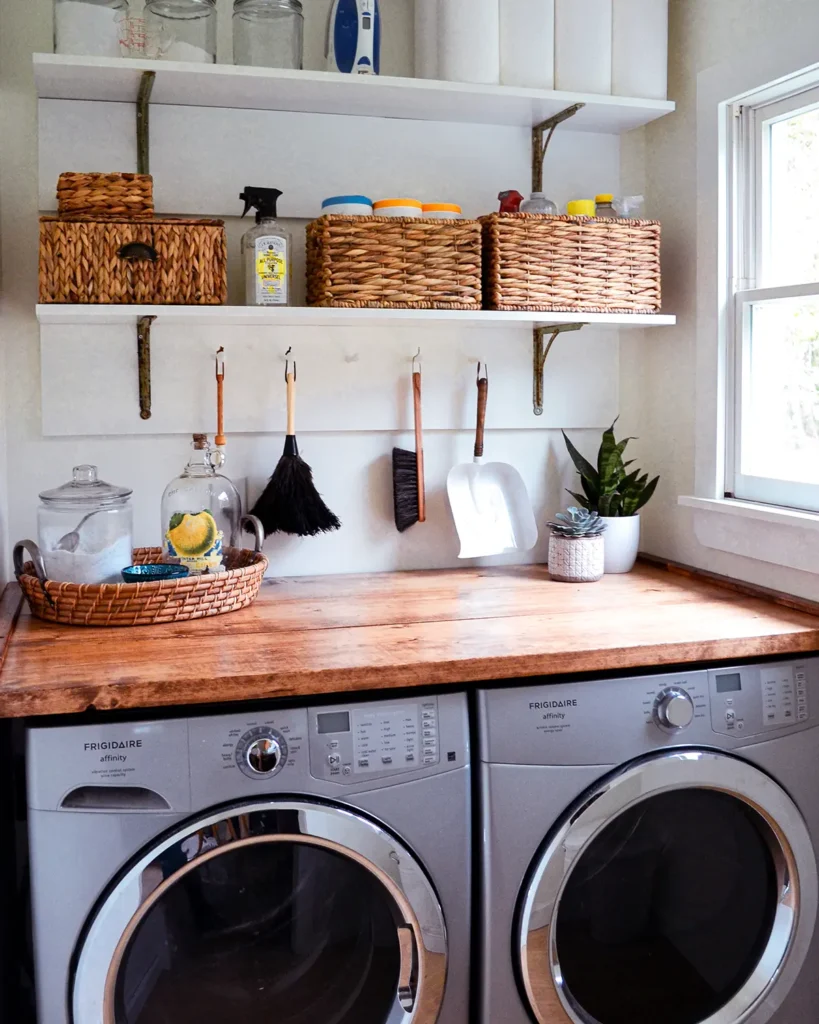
{"type": "Point", "coordinates": [349, 206]}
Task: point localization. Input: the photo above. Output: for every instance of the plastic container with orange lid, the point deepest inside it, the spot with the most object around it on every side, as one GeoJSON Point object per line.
{"type": "Point", "coordinates": [442, 211]}
{"type": "Point", "coordinates": [398, 208]}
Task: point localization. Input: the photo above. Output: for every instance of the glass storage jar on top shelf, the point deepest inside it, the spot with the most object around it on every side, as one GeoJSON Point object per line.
{"type": "Point", "coordinates": [201, 512]}
{"type": "Point", "coordinates": [182, 29]}
{"type": "Point", "coordinates": [85, 529]}
{"type": "Point", "coordinates": [89, 28]}
{"type": "Point", "coordinates": [268, 33]}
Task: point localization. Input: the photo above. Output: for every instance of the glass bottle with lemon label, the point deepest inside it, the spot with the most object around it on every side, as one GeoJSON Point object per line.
{"type": "Point", "coordinates": [266, 250]}
{"type": "Point", "coordinates": [201, 512]}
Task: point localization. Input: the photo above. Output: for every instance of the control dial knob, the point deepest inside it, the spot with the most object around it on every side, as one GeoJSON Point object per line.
{"type": "Point", "coordinates": [261, 753]}
{"type": "Point", "coordinates": [673, 709]}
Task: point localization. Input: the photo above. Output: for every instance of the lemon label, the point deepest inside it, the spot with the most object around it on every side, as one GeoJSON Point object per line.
{"type": "Point", "coordinates": [271, 271]}
{"type": "Point", "coordinates": [194, 539]}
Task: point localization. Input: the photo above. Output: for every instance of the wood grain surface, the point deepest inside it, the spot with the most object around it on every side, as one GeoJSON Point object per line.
{"type": "Point", "coordinates": [335, 634]}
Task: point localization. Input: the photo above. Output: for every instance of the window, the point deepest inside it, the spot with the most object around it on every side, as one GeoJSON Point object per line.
{"type": "Point", "coordinates": [772, 388]}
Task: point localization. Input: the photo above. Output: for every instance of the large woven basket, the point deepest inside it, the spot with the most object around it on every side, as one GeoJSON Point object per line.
{"type": "Point", "coordinates": [394, 263]}
{"type": "Point", "coordinates": [164, 261]}
{"type": "Point", "coordinates": [105, 196]}
{"type": "Point", "coordinates": [571, 264]}
{"type": "Point", "coordinates": [148, 604]}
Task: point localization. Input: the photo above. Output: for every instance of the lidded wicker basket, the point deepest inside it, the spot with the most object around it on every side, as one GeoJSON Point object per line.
{"type": "Point", "coordinates": [393, 263]}
{"type": "Point", "coordinates": [104, 196]}
{"type": "Point", "coordinates": [571, 264]}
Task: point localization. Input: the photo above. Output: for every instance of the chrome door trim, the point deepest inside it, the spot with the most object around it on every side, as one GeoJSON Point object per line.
{"type": "Point", "coordinates": [421, 928]}
{"type": "Point", "coordinates": [789, 841]}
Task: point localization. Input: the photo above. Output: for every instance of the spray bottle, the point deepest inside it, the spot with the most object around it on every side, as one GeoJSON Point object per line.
{"type": "Point", "coordinates": [266, 250]}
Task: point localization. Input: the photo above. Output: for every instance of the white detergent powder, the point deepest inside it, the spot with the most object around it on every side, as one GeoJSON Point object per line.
{"type": "Point", "coordinates": [89, 564]}
{"type": "Point", "coordinates": [84, 29]}
{"type": "Point", "coordinates": [187, 51]}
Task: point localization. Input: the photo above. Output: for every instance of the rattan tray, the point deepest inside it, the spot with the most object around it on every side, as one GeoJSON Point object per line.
{"type": "Point", "coordinates": [144, 604]}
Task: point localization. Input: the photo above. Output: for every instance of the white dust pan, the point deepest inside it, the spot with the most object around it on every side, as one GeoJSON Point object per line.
{"type": "Point", "coordinates": [489, 500]}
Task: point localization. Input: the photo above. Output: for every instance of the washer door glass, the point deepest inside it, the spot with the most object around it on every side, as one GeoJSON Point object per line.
{"type": "Point", "coordinates": [276, 931]}
{"type": "Point", "coordinates": [679, 886]}
{"type": "Point", "coordinates": [285, 911]}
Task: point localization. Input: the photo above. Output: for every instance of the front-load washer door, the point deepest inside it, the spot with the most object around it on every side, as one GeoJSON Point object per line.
{"type": "Point", "coordinates": [680, 890]}
{"type": "Point", "coordinates": [280, 910]}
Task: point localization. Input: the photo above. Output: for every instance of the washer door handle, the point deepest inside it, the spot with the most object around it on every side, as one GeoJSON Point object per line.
{"type": "Point", "coordinates": [407, 973]}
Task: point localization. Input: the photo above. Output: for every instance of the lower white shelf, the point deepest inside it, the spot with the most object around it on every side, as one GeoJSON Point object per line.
{"type": "Point", "coordinates": [298, 316]}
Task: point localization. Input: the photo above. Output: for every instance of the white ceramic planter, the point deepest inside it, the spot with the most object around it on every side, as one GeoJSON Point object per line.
{"type": "Point", "coordinates": [622, 541]}
{"type": "Point", "coordinates": [576, 560]}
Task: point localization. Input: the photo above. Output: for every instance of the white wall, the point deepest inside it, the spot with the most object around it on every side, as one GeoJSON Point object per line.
{"type": "Point", "coordinates": [658, 372]}
{"type": "Point", "coordinates": [352, 469]}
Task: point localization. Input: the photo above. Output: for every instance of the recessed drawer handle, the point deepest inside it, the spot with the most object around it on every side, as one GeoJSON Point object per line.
{"type": "Point", "coordinates": [134, 251]}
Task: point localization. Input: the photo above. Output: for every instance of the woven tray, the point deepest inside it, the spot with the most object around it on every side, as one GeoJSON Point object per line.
{"type": "Point", "coordinates": [174, 261]}
{"type": "Point", "coordinates": [147, 604]}
{"type": "Point", "coordinates": [393, 263]}
{"type": "Point", "coordinates": [103, 196]}
{"type": "Point", "coordinates": [571, 264]}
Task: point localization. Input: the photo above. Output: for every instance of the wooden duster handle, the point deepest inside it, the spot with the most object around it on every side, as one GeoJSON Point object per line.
{"type": "Point", "coordinates": [419, 447]}
{"type": "Point", "coordinates": [220, 440]}
{"type": "Point", "coordinates": [291, 404]}
{"type": "Point", "coordinates": [483, 392]}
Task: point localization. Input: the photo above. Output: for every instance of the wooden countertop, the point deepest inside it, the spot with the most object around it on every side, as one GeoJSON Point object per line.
{"type": "Point", "coordinates": [323, 635]}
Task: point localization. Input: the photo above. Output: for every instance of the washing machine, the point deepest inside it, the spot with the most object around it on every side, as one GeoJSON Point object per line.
{"type": "Point", "coordinates": [306, 865]}
{"type": "Point", "coordinates": [649, 849]}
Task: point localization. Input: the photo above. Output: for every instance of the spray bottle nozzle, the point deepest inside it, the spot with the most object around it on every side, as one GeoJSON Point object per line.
{"type": "Point", "coordinates": [263, 200]}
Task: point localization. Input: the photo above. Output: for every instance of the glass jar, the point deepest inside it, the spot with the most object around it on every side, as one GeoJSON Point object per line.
{"type": "Point", "coordinates": [268, 33]}
{"type": "Point", "coordinates": [85, 529]}
{"type": "Point", "coordinates": [89, 28]}
{"type": "Point", "coordinates": [182, 29]}
{"type": "Point", "coordinates": [201, 512]}
{"type": "Point", "coordinates": [538, 203]}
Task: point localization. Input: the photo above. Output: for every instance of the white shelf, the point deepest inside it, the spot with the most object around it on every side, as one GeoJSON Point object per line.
{"type": "Point", "coordinates": [320, 92]}
{"type": "Point", "coordinates": [297, 316]}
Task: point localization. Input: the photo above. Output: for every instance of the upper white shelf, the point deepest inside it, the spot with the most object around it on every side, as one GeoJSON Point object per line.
{"type": "Point", "coordinates": [321, 92]}
{"type": "Point", "coordinates": [299, 316]}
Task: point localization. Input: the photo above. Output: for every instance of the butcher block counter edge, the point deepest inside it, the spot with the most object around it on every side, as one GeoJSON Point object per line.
{"type": "Point", "coordinates": [333, 634]}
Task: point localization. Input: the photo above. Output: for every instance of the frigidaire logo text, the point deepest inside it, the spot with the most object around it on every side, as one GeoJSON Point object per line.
{"type": "Point", "coordinates": [113, 745]}
{"type": "Point", "coordinates": [544, 704]}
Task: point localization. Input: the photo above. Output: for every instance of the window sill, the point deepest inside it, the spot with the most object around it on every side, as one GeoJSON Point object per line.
{"type": "Point", "coordinates": [785, 537]}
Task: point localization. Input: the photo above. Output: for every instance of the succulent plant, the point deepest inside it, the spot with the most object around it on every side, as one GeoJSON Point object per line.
{"type": "Point", "coordinates": [609, 490]}
{"type": "Point", "coordinates": [577, 522]}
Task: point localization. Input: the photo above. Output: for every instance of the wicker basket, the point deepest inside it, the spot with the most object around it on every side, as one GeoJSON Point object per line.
{"type": "Point", "coordinates": [394, 263]}
{"type": "Point", "coordinates": [177, 262]}
{"type": "Point", "coordinates": [571, 264]}
{"type": "Point", "coordinates": [105, 196]}
{"type": "Point", "coordinates": [147, 604]}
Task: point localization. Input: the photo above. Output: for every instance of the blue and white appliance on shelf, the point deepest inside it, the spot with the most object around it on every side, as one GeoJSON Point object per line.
{"type": "Point", "coordinates": [354, 37]}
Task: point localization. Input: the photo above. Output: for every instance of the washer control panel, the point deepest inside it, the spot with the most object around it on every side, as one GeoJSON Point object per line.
{"type": "Point", "coordinates": [261, 752]}
{"type": "Point", "coordinates": [672, 705]}
{"type": "Point", "coordinates": [349, 745]}
{"type": "Point", "coordinates": [752, 700]}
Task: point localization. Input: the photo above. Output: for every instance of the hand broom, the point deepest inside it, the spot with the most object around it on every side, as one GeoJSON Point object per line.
{"type": "Point", "coordinates": [290, 503]}
{"type": "Point", "coordinates": [408, 468]}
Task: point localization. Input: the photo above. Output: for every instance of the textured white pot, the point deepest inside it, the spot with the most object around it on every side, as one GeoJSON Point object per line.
{"type": "Point", "coordinates": [622, 541]}
{"type": "Point", "coordinates": [576, 560]}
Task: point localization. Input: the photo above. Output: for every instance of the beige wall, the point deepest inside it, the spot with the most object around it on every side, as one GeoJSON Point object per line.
{"type": "Point", "coordinates": [658, 370]}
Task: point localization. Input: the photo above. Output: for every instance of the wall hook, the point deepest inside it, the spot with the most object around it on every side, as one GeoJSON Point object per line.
{"type": "Point", "coordinates": [144, 364]}
{"type": "Point", "coordinates": [540, 350]}
{"type": "Point", "coordinates": [287, 364]}
{"type": "Point", "coordinates": [485, 371]}
{"type": "Point", "coordinates": [417, 359]}
{"type": "Point", "coordinates": [539, 147]}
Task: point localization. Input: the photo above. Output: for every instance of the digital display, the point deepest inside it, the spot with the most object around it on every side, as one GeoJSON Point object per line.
{"type": "Point", "coordinates": [333, 721]}
{"type": "Point", "coordinates": [729, 684]}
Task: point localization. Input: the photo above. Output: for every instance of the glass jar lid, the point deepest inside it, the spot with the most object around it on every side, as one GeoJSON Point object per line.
{"type": "Point", "coordinates": [86, 489]}
{"type": "Point", "coordinates": [295, 6]}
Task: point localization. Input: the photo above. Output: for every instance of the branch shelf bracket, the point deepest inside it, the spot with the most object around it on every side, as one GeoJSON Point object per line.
{"type": "Point", "coordinates": [144, 364]}
{"type": "Point", "coordinates": [539, 146]}
{"type": "Point", "coordinates": [143, 122]}
{"type": "Point", "coordinates": [540, 350]}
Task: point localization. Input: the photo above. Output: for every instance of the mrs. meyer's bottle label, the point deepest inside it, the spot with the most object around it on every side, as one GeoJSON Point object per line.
{"type": "Point", "coordinates": [271, 271]}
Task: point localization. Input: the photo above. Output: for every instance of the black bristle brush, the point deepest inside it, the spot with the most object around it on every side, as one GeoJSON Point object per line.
{"type": "Point", "coordinates": [290, 503]}
{"type": "Point", "coordinates": [408, 468]}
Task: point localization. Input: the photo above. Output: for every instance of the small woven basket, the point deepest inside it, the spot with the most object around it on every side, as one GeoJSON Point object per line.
{"type": "Point", "coordinates": [148, 604]}
{"type": "Point", "coordinates": [393, 263]}
{"type": "Point", "coordinates": [104, 196]}
{"type": "Point", "coordinates": [166, 261]}
{"type": "Point", "coordinates": [571, 264]}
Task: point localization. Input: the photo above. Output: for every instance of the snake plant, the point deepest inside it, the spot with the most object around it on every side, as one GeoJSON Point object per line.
{"type": "Point", "coordinates": [609, 489]}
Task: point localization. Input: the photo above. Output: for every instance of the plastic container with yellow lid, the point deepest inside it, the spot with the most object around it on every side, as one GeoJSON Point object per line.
{"type": "Point", "coordinates": [604, 206]}
{"type": "Point", "coordinates": [442, 211]}
{"type": "Point", "coordinates": [581, 208]}
{"type": "Point", "coordinates": [398, 208]}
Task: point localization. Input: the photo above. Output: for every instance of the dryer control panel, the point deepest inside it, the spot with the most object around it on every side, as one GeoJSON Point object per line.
{"type": "Point", "coordinates": [750, 700]}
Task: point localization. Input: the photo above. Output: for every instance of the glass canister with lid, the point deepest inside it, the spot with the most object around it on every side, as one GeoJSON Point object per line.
{"type": "Point", "coordinates": [85, 529]}
{"type": "Point", "coordinates": [182, 29]}
{"type": "Point", "coordinates": [268, 33]}
{"type": "Point", "coordinates": [89, 28]}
